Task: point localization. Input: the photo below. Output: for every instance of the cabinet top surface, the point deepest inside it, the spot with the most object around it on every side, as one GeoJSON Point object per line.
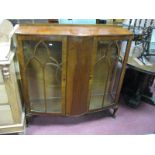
{"type": "Point", "coordinates": [72, 30]}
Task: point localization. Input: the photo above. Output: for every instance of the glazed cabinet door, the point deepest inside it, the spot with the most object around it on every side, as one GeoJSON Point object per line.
{"type": "Point", "coordinates": [105, 75]}
{"type": "Point", "coordinates": [43, 71]}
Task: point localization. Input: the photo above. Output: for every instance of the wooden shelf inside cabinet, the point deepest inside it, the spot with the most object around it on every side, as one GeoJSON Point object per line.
{"type": "Point", "coordinates": [71, 69]}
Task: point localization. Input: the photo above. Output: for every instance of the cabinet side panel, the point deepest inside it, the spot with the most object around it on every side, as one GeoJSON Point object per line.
{"type": "Point", "coordinates": [79, 62]}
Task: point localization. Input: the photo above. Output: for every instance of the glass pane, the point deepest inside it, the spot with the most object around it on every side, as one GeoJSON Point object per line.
{"type": "Point", "coordinates": [53, 78]}
{"type": "Point", "coordinates": [104, 75]}
{"type": "Point", "coordinates": [53, 88]}
{"type": "Point", "coordinates": [113, 69]}
{"type": "Point", "coordinates": [28, 48]}
{"type": "Point", "coordinates": [115, 79]}
{"type": "Point", "coordinates": [43, 59]}
{"type": "Point", "coordinates": [34, 73]}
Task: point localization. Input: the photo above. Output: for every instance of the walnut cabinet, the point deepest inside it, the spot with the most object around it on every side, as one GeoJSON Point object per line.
{"type": "Point", "coordinates": [71, 69]}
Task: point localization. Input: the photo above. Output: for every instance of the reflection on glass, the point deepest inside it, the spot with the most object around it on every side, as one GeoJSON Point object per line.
{"type": "Point", "coordinates": [43, 71]}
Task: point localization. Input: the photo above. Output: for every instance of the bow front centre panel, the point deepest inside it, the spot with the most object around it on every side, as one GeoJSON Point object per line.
{"type": "Point", "coordinates": [71, 69]}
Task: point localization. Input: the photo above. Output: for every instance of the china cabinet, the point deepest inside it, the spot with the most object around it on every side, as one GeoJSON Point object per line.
{"type": "Point", "coordinates": [11, 115]}
{"type": "Point", "coordinates": [71, 69]}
